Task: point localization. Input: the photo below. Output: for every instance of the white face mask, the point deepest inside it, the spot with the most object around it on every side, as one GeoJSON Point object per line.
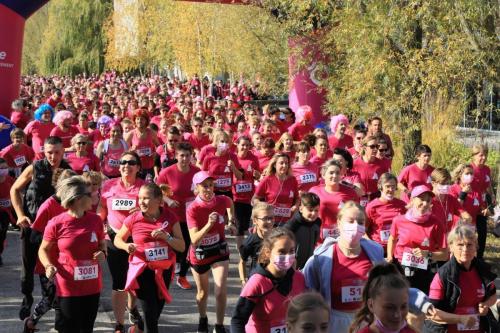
{"type": "Point", "coordinates": [222, 146]}
{"type": "Point", "coordinates": [443, 189]}
{"type": "Point", "coordinates": [352, 232]}
{"type": "Point", "coordinates": [467, 178]}
{"type": "Point", "coordinates": [387, 197]}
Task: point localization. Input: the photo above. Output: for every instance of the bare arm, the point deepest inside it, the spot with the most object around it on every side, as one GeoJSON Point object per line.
{"type": "Point", "coordinates": [176, 242]}
{"type": "Point", "coordinates": [16, 196]}
{"type": "Point", "coordinates": [44, 254]}
{"type": "Point", "coordinates": [391, 242]}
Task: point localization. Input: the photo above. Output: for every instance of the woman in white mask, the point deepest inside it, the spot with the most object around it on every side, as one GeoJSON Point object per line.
{"type": "Point", "coordinates": [263, 302]}
{"type": "Point", "coordinates": [339, 267]}
{"type": "Point", "coordinates": [445, 206]}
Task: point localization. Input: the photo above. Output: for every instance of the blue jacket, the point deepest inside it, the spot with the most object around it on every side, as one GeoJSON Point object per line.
{"type": "Point", "coordinates": [318, 271]}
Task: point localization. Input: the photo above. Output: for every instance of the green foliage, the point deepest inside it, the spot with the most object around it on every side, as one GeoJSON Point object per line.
{"type": "Point", "coordinates": [66, 37]}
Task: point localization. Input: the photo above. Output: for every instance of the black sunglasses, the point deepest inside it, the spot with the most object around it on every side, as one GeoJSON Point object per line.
{"type": "Point", "coordinates": [129, 162]}
{"type": "Point", "coordinates": [81, 143]}
{"type": "Point", "coordinates": [372, 146]}
{"type": "Point", "coordinates": [383, 150]}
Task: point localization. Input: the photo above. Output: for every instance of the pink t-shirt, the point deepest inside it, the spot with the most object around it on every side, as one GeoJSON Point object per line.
{"type": "Point", "coordinates": [38, 132]}
{"type": "Point", "coordinates": [111, 160]}
{"type": "Point", "coordinates": [140, 229]}
{"type": "Point", "coordinates": [244, 188]}
{"type": "Point", "coordinates": [207, 150]}
{"type": "Point", "coordinates": [307, 175]}
{"type": "Point", "coordinates": [473, 201]}
{"type": "Point", "coordinates": [217, 167]}
{"type": "Point", "coordinates": [18, 157]}
{"type": "Point", "coordinates": [367, 329]}
{"type": "Point", "coordinates": [281, 194]}
{"type": "Point", "coordinates": [472, 293]}
{"type": "Point", "coordinates": [447, 210]}
{"type": "Point", "coordinates": [299, 131]}
{"type": "Point", "coordinates": [197, 216]}
{"type": "Point", "coordinates": [49, 208]}
{"type": "Point", "coordinates": [329, 206]}
{"type": "Point", "coordinates": [379, 218]}
{"type": "Point", "coordinates": [76, 239]}
{"type": "Point", "coordinates": [482, 178]}
{"type": "Point", "coordinates": [181, 185]}
{"type": "Point", "coordinates": [369, 173]}
{"type": "Point", "coordinates": [412, 176]}
{"type": "Point", "coordinates": [429, 235]}
{"type": "Point", "coordinates": [145, 148]}
{"type": "Point", "coordinates": [197, 142]}
{"type": "Point", "coordinates": [65, 136]}
{"type": "Point", "coordinates": [83, 163]}
{"type": "Point", "coordinates": [319, 161]}
{"type": "Point", "coordinates": [119, 200]}
{"type": "Point", "coordinates": [348, 279]}
{"type": "Point", "coordinates": [345, 143]}
{"type": "Point", "coordinates": [269, 313]}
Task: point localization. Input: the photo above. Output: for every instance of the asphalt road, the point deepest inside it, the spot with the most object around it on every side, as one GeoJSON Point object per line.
{"type": "Point", "coordinates": [179, 316]}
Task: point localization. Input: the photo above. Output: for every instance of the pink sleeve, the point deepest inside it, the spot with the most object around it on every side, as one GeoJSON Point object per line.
{"type": "Point", "coordinates": [162, 178]}
{"type": "Point", "coordinates": [260, 191]}
{"type": "Point", "coordinates": [253, 287]}
{"type": "Point", "coordinates": [436, 290]}
{"type": "Point", "coordinates": [100, 229]}
{"type": "Point", "coordinates": [205, 163]}
{"type": "Point", "coordinates": [403, 176]}
{"type": "Point", "coordinates": [97, 164]}
{"type": "Point", "coordinates": [128, 222]}
{"type": "Point", "coordinates": [394, 228]}
{"type": "Point", "coordinates": [190, 218]}
{"type": "Point", "coordinates": [50, 233]}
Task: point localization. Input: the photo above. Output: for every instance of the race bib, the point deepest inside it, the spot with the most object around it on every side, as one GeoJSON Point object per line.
{"type": "Point", "coordinates": [384, 235]}
{"type": "Point", "coordinates": [154, 252]}
{"type": "Point", "coordinates": [330, 232]}
{"type": "Point", "coordinates": [351, 290]}
{"type": "Point", "coordinates": [282, 211]}
{"type": "Point", "coordinates": [20, 160]}
{"type": "Point", "coordinates": [243, 187]}
{"type": "Point", "coordinates": [86, 272]}
{"type": "Point", "coordinates": [41, 149]}
{"type": "Point", "coordinates": [278, 329]}
{"type": "Point", "coordinates": [122, 204]}
{"type": "Point", "coordinates": [467, 311]}
{"type": "Point", "coordinates": [223, 182]}
{"type": "Point", "coordinates": [307, 178]}
{"type": "Point", "coordinates": [411, 260]}
{"type": "Point", "coordinates": [363, 202]}
{"type": "Point", "coordinates": [113, 163]}
{"type": "Point", "coordinates": [144, 151]}
{"type": "Point", "coordinates": [210, 240]}
{"type": "Point", "coordinates": [4, 203]}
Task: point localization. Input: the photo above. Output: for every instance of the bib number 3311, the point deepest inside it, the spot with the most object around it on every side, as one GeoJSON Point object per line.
{"type": "Point", "coordinates": [278, 329]}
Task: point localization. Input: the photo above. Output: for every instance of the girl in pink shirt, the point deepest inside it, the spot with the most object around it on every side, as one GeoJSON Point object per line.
{"type": "Point", "coordinates": [263, 301]}
{"type": "Point", "coordinates": [77, 238]}
{"type": "Point", "coordinates": [110, 150]}
{"type": "Point", "coordinates": [418, 173]}
{"type": "Point", "coordinates": [385, 303]}
{"type": "Point", "coordinates": [305, 172]}
{"type": "Point", "coordinates": [81, 160]}
{"type": "Point", "coordinates": [206, 219]}
{"type": "Point", "coordinates": [156, 235]}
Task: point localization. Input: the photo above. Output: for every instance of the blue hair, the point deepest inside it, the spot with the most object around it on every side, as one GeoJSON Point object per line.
{"type": "Point", "coordinates": [42, 109]}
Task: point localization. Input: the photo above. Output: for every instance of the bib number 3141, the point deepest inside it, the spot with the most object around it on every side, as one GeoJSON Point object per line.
{"type": "Point", "coordinates": [278, 329]}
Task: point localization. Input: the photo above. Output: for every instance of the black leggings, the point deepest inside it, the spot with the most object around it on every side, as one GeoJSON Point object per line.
{"type": "Point", "coordinates": [29, 253]}
{"type": "Point", "coordinates": [482, 232]}
{"type": "Point", "coordinates": [78, 313]}
{"type": "Point", "coordinates": [182, 256]}
{"type": "Point", "coordinates": [147, 294]}
{"type": "Point", "coordinates": [118, 264]}
{"type": "Point", "coordinates": [4, 226]}
{"type": "Point", "coordinates": [48, 300]}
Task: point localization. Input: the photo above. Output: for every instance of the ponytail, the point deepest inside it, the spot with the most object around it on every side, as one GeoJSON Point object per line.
{"type": "Point", "coordinates": [381, 276]}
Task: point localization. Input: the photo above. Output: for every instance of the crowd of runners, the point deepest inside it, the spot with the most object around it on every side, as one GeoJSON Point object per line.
{"type": "Point", "coordinates": [148, 177]}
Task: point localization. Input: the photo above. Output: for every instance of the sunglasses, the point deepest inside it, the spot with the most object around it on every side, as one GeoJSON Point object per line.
{"type": "Point", "coordinates": [383, 150]}
{"type": "Point", "coordinates": [373, 146]}
{"type": "Point", "coordinates": [129, 162]}
{"type": "Point", "coordinates": [81, 143]}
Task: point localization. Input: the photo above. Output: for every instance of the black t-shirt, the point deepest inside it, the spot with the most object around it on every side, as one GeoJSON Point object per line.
{"type": "Point", "coordinates": [250, 249]}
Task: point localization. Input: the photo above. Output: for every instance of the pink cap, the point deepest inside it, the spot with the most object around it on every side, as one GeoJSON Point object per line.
{"type": "Point", "coordinates": [200, 177]}
{"type": "Point", "coordinates": [420, 189]}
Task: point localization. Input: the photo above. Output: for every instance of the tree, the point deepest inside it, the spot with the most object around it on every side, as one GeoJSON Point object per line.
{"type": "Point", "coordinates": [72, 39]}
{"type": "Point", "coordinates": [407, 61]}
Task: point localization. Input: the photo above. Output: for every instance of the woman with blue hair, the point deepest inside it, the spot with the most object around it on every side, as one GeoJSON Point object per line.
{"type": "Point", "coordinates": [39, 129]}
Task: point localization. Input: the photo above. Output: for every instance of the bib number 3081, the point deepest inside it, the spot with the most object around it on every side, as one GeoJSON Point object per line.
{"type": "Point", "coordinates": [88, 272]}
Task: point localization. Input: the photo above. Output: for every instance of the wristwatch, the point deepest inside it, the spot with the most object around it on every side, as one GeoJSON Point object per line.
{"type": "Point", "coordinates": [169, 237]}
{"type": "Point", "coordinates": [429, 254]}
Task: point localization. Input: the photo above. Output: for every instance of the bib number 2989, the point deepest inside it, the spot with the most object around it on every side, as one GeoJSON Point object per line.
{"type": "Point", "coordinates": [122, 204]}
